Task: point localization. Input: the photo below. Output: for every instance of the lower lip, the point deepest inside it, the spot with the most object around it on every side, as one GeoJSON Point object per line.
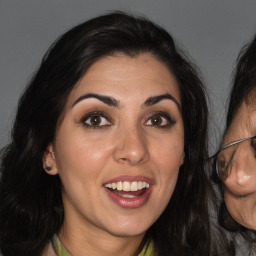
{"type": "Point", "coordinates": [130, 203]}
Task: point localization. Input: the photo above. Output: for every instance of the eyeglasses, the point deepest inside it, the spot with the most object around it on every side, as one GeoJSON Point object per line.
{"type": "Point", "coordinates": [223, 158]}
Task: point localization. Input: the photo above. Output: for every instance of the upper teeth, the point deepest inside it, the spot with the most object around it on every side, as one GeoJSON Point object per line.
{"type": "Point", "coordinates": [128, 186]}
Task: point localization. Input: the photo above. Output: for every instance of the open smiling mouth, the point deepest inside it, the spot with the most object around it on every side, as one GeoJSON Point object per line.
{"type": "Point", "coordinates": [126, 189]}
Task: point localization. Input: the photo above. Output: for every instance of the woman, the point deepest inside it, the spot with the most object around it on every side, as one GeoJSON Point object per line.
{"type": "Point", "coordinates": [108, 148]}
{"type": "Point", "coordinates": [236, 160]}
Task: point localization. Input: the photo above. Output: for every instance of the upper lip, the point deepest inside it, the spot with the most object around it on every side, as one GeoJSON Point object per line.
{"type": "Point", "coordinates": [130, 179]}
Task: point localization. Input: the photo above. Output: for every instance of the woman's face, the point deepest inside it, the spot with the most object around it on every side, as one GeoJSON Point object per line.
{"type": "Point", "coordinates": [240, 183]}
{"type": "Point", "coordinates": [119, 147]}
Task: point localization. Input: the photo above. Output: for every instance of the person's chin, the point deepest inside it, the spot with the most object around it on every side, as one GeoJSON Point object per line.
{"type": "Point", "coordinates": [129, 228]}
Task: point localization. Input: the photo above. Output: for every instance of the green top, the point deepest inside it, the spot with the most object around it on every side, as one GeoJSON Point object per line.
{"type": "Point", "coordinates": [62, 251]}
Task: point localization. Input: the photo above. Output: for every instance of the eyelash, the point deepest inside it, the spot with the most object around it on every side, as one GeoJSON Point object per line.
{"type": "Point", "coordinates": [163, 115]}
{"type": "Point", "coordinates": [168, 121]}
{"type": "Point", "coordinates": [99, 114]}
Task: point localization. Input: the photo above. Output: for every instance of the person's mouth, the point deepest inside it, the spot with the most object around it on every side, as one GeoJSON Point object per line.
{"type": "Point", "coordinates": [129, 192]}
{"type": "Point", "coordinates": [128, 189]}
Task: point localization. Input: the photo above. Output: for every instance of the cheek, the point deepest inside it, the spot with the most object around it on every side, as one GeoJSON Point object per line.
{"type": "Point", "coordinates": [234, 206]}
{"type": "Point", "coordinates": [169, 153]}
{"type": "Point", "coordinates": [168, 156]}
{"type": "Point", "coordinates": [242, 210]}
{"type": "Point", "coordinates": [80, 155]}
{"type": "Point", "coordinates": [228, 201]}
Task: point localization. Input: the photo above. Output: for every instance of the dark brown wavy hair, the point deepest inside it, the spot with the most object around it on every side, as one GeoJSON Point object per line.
{"type": "Point", "coordinates": [31, 209]}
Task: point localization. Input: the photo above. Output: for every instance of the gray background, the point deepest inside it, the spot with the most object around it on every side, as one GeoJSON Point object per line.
{"type": "Point", "coordinates": [212, 32]}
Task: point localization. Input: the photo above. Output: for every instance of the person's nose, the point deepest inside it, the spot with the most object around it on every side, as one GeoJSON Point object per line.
{"type": "Point", "coordinates": [131, 147]}
{"type": "Point", "coordinates": [242, 177]}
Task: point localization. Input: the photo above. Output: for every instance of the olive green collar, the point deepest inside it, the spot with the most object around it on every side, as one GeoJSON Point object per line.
{"type": "Point", "coordinates": [62, 251]}
{"type": "Point", "coordinates": [59, 247]}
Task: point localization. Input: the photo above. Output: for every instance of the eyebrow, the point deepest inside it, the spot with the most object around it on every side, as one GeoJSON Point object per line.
{"type": "Point", "coordinates": [155, 99]}
{"type": "Point", "coordinates": [115, 103]}
{"type": "Point", "coordinates": [105, 99]}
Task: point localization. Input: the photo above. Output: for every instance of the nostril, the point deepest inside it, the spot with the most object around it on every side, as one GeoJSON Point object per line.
{"type": "Point", "coordinates": [123, 160]}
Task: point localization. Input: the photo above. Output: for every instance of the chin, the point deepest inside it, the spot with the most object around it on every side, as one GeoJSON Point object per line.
{"type": "Point", "coordinates": [127, 233]}
{"type": "Point", "coordinates": [129, 229]}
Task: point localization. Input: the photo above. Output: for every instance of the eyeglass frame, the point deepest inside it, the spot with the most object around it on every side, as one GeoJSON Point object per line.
{"type": "Point", "coordinates": [215, 156]}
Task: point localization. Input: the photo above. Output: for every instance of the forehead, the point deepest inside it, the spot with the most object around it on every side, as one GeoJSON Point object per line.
{"type": "Point", "coordinates": [121, 75]}
{"type": "Point", "coordinates": [244, 122]}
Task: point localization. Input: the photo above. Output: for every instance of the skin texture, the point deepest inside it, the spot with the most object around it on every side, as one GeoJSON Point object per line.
{"type": "Point", "coordinates": [126, 143]}
{"type": "Point", "coordinates": [240, 185]}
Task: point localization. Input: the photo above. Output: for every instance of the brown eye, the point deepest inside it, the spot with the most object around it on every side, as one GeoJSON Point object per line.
{"type": "Point", "coordinates": [156, 120]}
{"type": "Point", "coordinates": [95, 120]}
{"type": "Point", "coordinates": [161, 120]}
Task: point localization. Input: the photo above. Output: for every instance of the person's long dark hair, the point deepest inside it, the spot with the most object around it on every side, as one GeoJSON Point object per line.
{"type": "Point", "coordinates": [31, 209]}
{"type": "Point", "coordinates": [244, 81]}
{"type": "Point", "coordinates": [243, 89]}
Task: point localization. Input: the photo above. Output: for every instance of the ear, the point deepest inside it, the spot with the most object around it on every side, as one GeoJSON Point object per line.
{"type": "Point", "coordinates": [49, 161]}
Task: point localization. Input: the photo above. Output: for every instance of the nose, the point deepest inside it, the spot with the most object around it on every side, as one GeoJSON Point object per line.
{"type": "Point", "coordinates": [131, 147]}
{"type": "Point", "coordinates": [242, 178]}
